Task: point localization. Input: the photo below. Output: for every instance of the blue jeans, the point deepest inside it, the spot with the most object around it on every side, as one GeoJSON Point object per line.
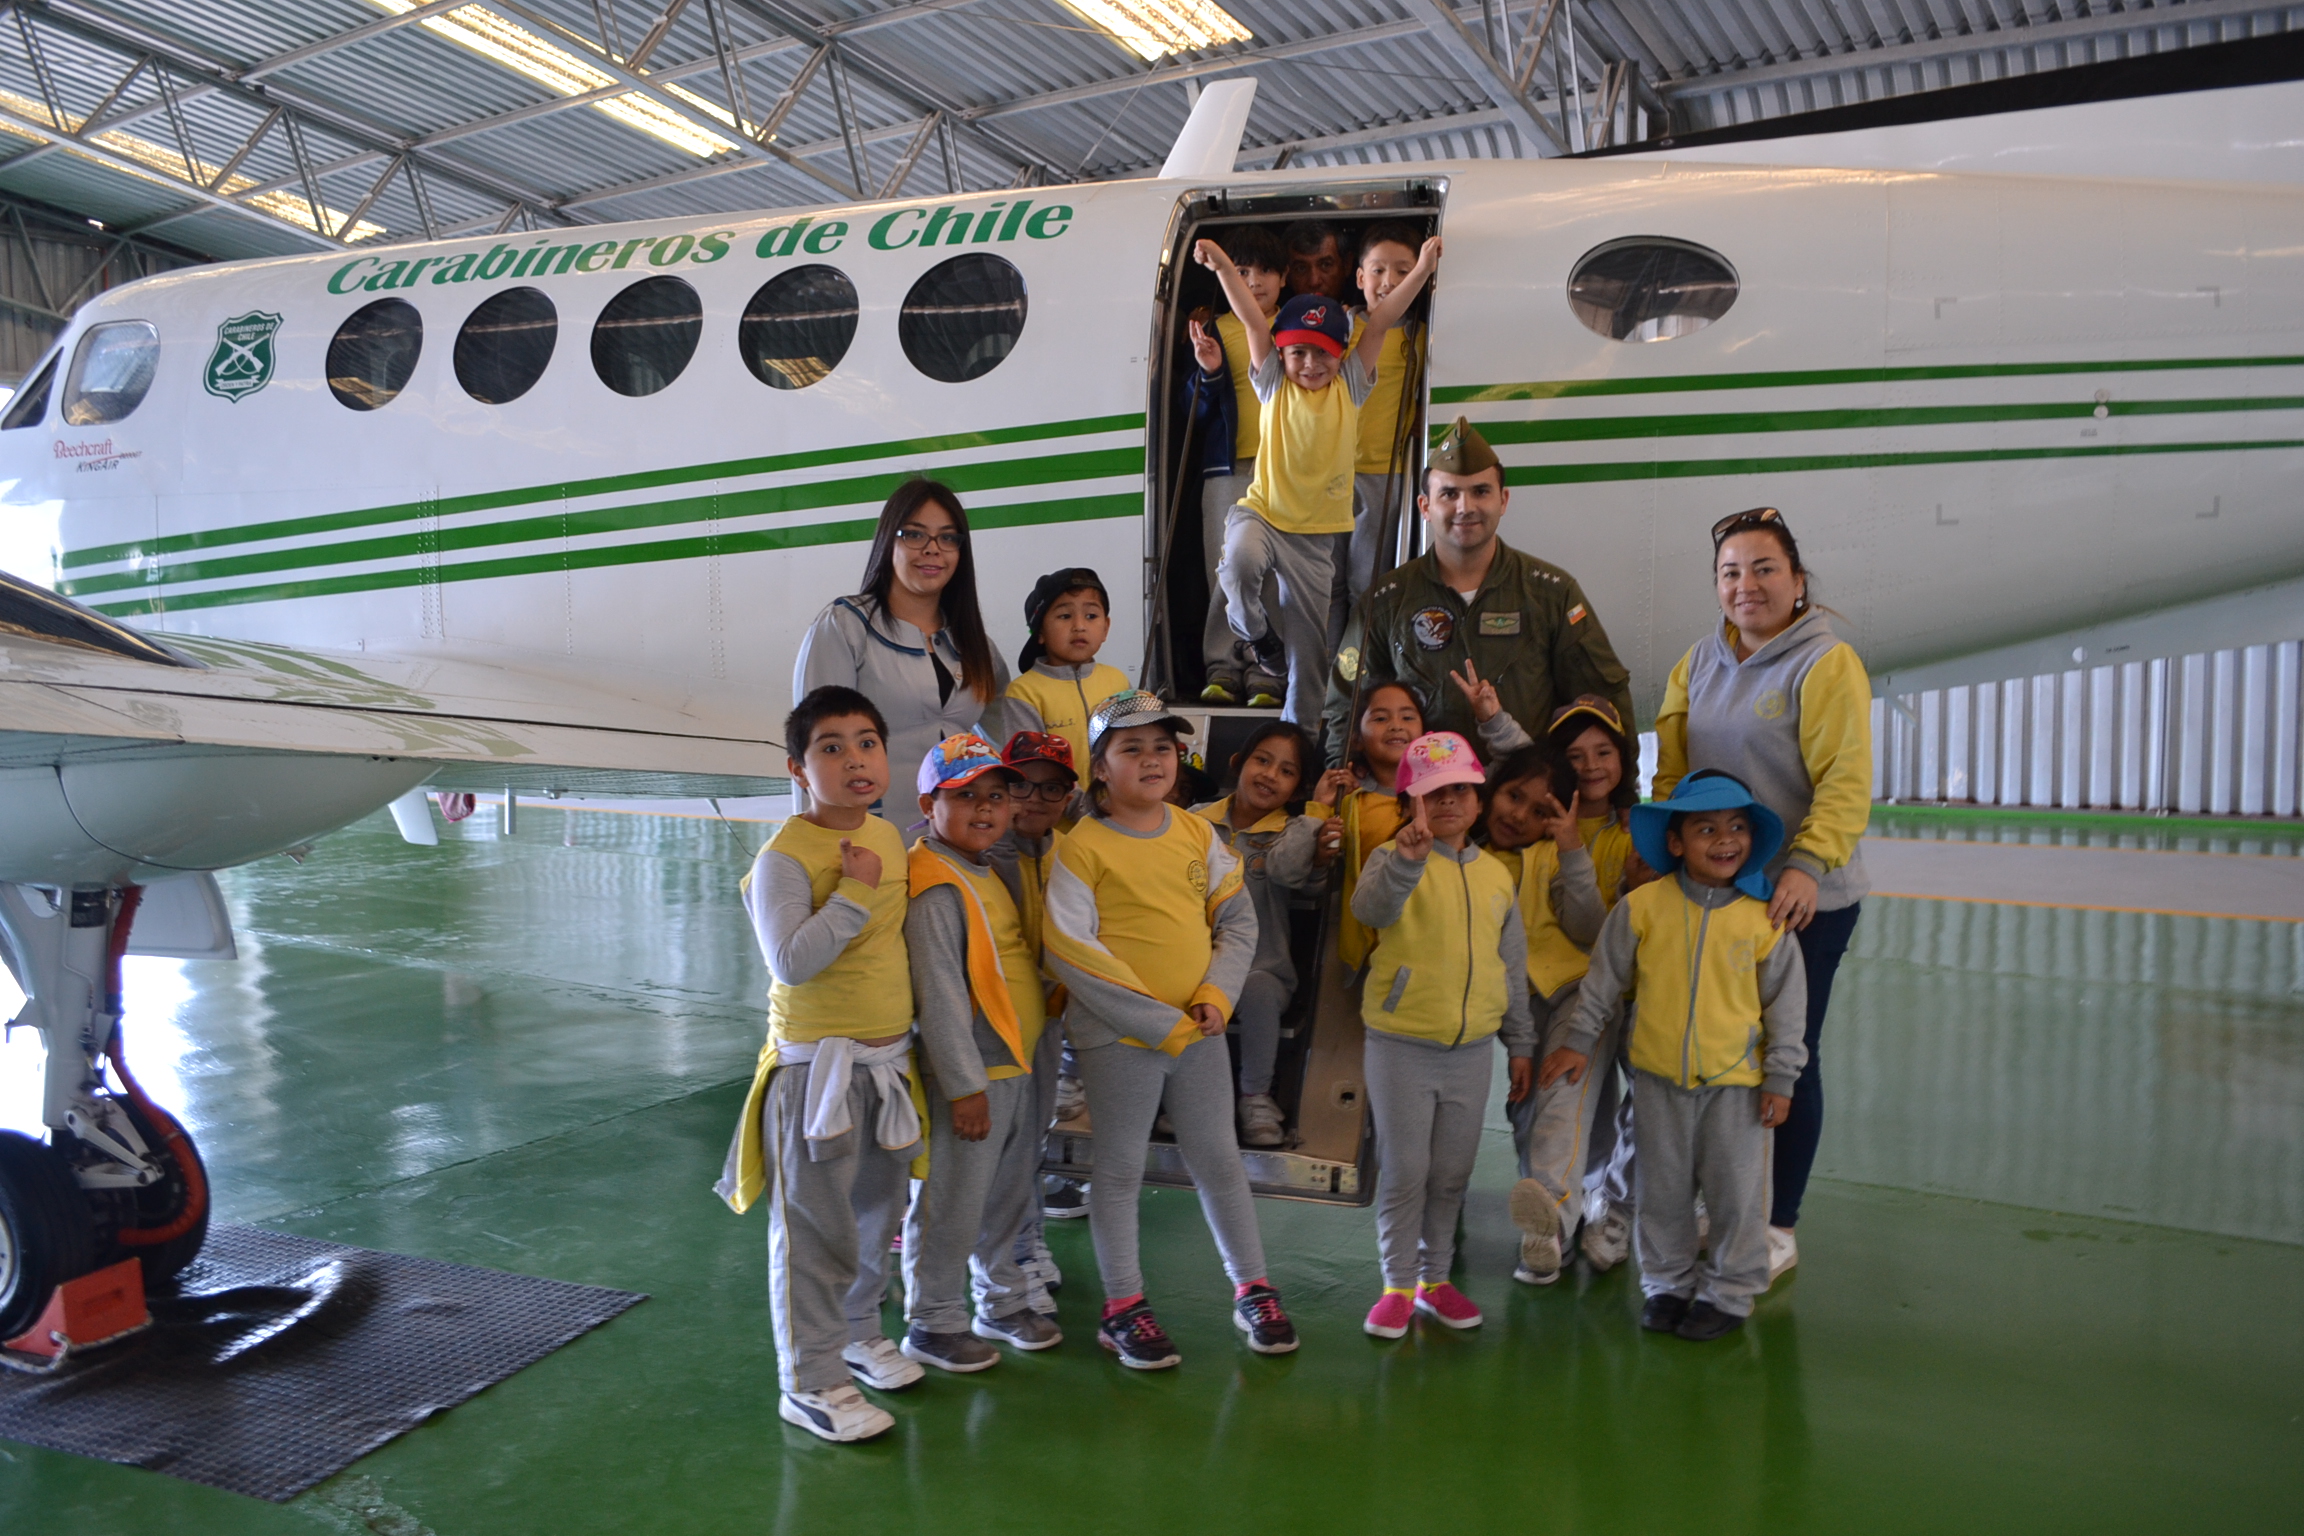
{"type": "Point", "coordinates": [1822, 943]}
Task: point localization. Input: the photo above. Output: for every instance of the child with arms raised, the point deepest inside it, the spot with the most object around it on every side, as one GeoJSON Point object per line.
{"type": "Point", "coordinates": [1448, 977]}
{"type": "Point", "coordinates": [976, 983]}
{"type": "Point", "coordinates": [830, 1127]}
{"type": "Point", "coordinates": [1716, 1042]}
{"type": "Point", "coordinates": [1281, 854]}
{"type": "Point", "coordinates": [1150, 932]}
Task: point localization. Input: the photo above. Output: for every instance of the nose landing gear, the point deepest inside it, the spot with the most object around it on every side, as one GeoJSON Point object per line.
{"type": "Point", "coordinates": [118, 1176]}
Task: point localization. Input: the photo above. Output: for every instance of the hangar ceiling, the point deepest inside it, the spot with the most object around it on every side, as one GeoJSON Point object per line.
{"type": "Point", "coordinates": [232, 128]}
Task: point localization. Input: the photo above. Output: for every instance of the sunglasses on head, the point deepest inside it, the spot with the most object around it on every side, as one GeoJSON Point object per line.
{"type": "Point", "coordinates": [1744, 522]}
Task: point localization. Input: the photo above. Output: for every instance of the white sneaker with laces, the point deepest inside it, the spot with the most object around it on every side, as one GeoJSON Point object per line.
{"type": "Point", "coordinates": [1071, 1099]}
{"type": "Point", "coordinates": [880, 1364]}
{"type": "Point", "coordinates": [839, 1415]}
{"type": "Point", "coordinates": [1538, 1219]}
{"type": "Point", "coordinates": [1608, 1241]}
{"type": "Point", "coordinates": [1260, 1123]}
{"type": "Point", "coordinates": [1783, 1251]}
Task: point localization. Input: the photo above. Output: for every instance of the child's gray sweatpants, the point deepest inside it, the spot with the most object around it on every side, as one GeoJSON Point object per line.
{"type": "Point", "coordinates": [1428, 1102]}
{"type": "Point", "coordinates": [1305, 565]}
{"type": "Point", "coordinates": [968, 1213]}
{"type": "Point", "coordinates": [1127, 1085]}
{"type": "Point", "coordinates": [1263, 999]}
{"type": "Point", "coordinates": [833, 1208]}
{"type": "Point", "coordinates": [1709, 1139]}
{"type": "Point", "coordinates": [1553, 1129]}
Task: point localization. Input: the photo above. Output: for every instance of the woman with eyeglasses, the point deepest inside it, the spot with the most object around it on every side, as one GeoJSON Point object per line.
{"type": "Point", "coordinates": [912, 641]}
{"type": "Point", "coordinates": [1775, 698]}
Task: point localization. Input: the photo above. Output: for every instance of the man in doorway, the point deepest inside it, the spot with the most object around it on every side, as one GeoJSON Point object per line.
{"type": "Point", "coordinates": [1316, 263]}
{"type": "Point", "coordinates": [1516, 629]}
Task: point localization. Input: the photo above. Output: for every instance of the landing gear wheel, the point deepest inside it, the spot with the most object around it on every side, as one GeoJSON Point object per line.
{"type": "Point", "coordinates": [47, 1232]}
{"type": "Point", "coordinates": [123, 1213]}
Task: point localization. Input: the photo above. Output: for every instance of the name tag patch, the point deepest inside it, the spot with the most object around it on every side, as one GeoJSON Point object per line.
{"type": "Point", "coordinates": [1500, 623]}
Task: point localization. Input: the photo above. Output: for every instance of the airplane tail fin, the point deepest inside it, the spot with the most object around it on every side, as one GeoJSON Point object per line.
{"type": "Point", "coordinates": [1210, 142]}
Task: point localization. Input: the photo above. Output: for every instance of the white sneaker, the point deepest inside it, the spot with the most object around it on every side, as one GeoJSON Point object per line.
{"type": "Point", "coordinates": [1538, 1219]}
{"type": "Point", "coordinates": [1783, 1251]}
{"type": "Point", "coordinates": [1260, 1124]}
{"type": "Point", "coordinates": [1071, 1099]}
{"type": "Point", "coordinates": [880, 1364]}
{"type": "Point", "coordinates": [1608, 1241]}
{"type": "Point", "coordinates": [839, 1415]}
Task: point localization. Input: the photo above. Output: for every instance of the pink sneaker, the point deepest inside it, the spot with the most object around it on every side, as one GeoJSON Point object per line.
{"type": "Point", "coordinates": [1448, 1304]}
{"type": "Point", "coordinates": [1389, 1318]}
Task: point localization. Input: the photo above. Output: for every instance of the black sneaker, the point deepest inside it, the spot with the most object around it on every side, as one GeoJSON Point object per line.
{"type": "Point", "coordinates": [956, 1352]}
{"type": "Point", "coordinates": [1063, 1200]}
{"type": "Point", "coordinates": [1136, 1336]}
{"type": "Point", "coordinates": [1024, 1328]}
{"type": "Point", "coordinates": [1258, 1315]}
{"type": "Point", "coordinates": [1706, 1322]}
{"type": "Point", "coordinates": [1270, 651]}
{"type": "Point", "coordinates": [1663, 1313]}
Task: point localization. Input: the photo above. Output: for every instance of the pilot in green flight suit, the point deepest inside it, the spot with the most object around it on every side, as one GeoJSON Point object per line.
{"type": "Point", "coordinates": [1527, 626]}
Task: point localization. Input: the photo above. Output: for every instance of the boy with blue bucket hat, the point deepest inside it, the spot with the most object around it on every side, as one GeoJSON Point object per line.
{"type": "Point", "coordinates": [1715, 1044]}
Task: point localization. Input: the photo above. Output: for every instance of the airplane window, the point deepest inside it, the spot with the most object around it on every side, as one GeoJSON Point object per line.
{"type": "Point", "coordinates": [505, 345]}
{"type": "Point", "coordinates": [1649, 288]}
{"type": "Point", "coordinates": [798, 326]}
{"type": "Point", "coordinates": [31, 402]}
{"type": "Point", "coordinates": [963, 317]}
{"type": "Point", "coordinates": [374, 353]}
{"type": "Point", "coordinates": [111, 371]}
{"type": "Point", "coordinates": [645, 337]}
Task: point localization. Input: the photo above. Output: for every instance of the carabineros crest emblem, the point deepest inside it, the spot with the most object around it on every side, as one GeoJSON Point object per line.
{"type": "Point", "coordinates": [242, 362]}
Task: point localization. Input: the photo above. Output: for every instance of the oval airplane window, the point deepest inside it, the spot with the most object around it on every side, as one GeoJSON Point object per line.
{"type": "Point", "coordinates": [645, 337]}
{"type": "Point", "coordinates": [111, 371]}
{"type": "Point", "coordinates": [1649, 288]}
{"type": "Point", "coordinates": [963, 317]}
{"type": "Point", "coordinates": [505, 344]}
{"type": "Point", "coordinates": [798, 326]}
{"type": "Point", "coordinates": [374, 353]}
{"type": "Point", "coordinates": [30, 403]}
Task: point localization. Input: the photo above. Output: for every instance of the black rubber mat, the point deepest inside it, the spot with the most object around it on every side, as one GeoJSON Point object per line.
{"type": "Point", "coordinates": [281, 1360]}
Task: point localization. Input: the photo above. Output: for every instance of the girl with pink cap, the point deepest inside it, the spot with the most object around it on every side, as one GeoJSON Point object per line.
{"type": "Point", "coordinates": [1448, 975]}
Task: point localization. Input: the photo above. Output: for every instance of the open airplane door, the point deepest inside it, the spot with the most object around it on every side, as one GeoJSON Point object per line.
{"type": "Point", "coordinates": [1326, 1153]}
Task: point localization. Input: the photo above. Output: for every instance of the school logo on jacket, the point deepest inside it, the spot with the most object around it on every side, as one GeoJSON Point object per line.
{"type": "Point", "coordinates": [1434, 628]}
{"type": "Point", "coordinates": [1196, 875]}
{"type": "Point", "coordinates": [1770, 705]}
{"type": "Point", "coordinates": [242, 362]}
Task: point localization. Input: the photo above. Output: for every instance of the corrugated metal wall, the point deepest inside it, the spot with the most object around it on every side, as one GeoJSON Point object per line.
{"type": "Point", "coordinates": [2214, 732]}
{"type": "Point", "coordinates": [50, 264]}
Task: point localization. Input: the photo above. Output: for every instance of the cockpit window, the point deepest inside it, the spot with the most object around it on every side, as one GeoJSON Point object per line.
{"type": "Point", "coordinates": [506, 344]}
{"type": "Point", "coordinates": [111, 371]}
{"type": "Point", "coordinates": [40, 614]}
{"type": "Point", "coordinates": [798, 326]}
{"type": "Point", "coordinates": [1649, 288]}
{"type": "Point", "coordinates": [31, 402]}
{"type": "Point", "coordinates": [373, 354]}
{"type": "Point", "coordinates": [962, 318]}
{"type": "Point", "coordinates": [645, 337]}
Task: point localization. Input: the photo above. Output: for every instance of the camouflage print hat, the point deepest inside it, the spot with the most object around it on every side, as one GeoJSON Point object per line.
{"type": "Point", "coordinates": [1462, 452]}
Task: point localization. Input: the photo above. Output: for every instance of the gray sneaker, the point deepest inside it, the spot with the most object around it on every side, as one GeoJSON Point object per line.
{"type": "Point", "coordinates": [959, 1353]}
{"type": "Point", "coordinates": [1608, 1241]}
{"type": "Point", "coordinates": [1266, 690]}
{"type": "Point", "coordinates": [1539, 1222]}
{"type": "Point", "coordinates": [1223, 688]}
{"type": "Point", "coordinates": [1260, 1123]}
{"type": "Point", "coordinates": [1026, 1329]}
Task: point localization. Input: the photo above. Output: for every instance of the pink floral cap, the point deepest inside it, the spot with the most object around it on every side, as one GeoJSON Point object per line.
{"type": "Point", "coordinates": [1436, 758]}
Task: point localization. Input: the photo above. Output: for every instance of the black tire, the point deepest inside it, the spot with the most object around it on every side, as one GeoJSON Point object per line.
{"type": "Point", "coordinates": [155, 1205]}
{"type": "Point", "coordinates": [47, 1232]}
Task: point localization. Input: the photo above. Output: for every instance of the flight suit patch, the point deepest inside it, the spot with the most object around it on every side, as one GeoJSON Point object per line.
{"type": "Point", "coordinates": [1434, 627]}
{"type": "Point", "coordinates": [1500, 623]}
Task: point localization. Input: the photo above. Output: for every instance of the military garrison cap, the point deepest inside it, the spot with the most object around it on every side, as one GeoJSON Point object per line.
{"type": "Point", "coordinates": [1462, 452]}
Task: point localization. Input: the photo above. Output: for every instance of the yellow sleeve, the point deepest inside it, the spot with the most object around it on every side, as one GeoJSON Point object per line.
{"type": "Point", "coordinates": [1836, 744]}
{"type": "Point", "coordinates": [1672, 732]}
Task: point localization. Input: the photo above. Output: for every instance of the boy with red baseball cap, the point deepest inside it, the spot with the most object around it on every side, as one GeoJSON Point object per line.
{"type": "Point", "coordinates": [1286, 524]}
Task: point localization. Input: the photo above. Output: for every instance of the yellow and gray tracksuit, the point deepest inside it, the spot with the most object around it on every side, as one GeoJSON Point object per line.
{"type": "Point", "coordinates": [1054, 697]}
{"type": "Point", "coordinates": [1721, 1000]}
{"type": "Point", "coordinates": [977, 988]}
{"type": "Point", "coordinates": [1448, 975]}
{"type": "Point", "coordinates": [829, 1129]}
{"type": "Point", "coordinates": [1140, 927]}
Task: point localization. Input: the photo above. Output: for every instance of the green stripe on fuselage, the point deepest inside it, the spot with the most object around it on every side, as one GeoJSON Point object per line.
{"type": "Point", "coordinates": [1567, 389]}
{"type": "Point", "coordinates": [604, 485]}
{"type": "Point", "coordinates": [853, 531]}
{"type": "Point", "coordinates": [1682, 469]}
{"type": "Point", "coordinates": [1590, 429]}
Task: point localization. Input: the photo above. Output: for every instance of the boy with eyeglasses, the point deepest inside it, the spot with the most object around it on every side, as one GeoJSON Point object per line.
{"type": "Point", "coordinates": [1059, 681]}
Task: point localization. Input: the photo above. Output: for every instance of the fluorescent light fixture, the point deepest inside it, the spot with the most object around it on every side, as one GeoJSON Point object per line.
{"type": "Point", "coordinates": [1153, 29]}
{"type": "Point", "coordinates": [170, 164]}
{"type": "Point", "coordinates": [504, 42]}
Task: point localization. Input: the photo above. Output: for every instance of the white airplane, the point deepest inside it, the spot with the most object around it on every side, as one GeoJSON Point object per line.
{"type": "Point", "coordinates": [549, 513]}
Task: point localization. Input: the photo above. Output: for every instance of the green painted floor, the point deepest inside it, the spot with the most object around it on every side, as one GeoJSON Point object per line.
{"type": "Point", "coordinates": [2052, 1279]}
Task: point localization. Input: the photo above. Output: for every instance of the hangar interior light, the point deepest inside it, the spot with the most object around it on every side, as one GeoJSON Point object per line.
{"type": "Point", "coordinates": [1152, 29]}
